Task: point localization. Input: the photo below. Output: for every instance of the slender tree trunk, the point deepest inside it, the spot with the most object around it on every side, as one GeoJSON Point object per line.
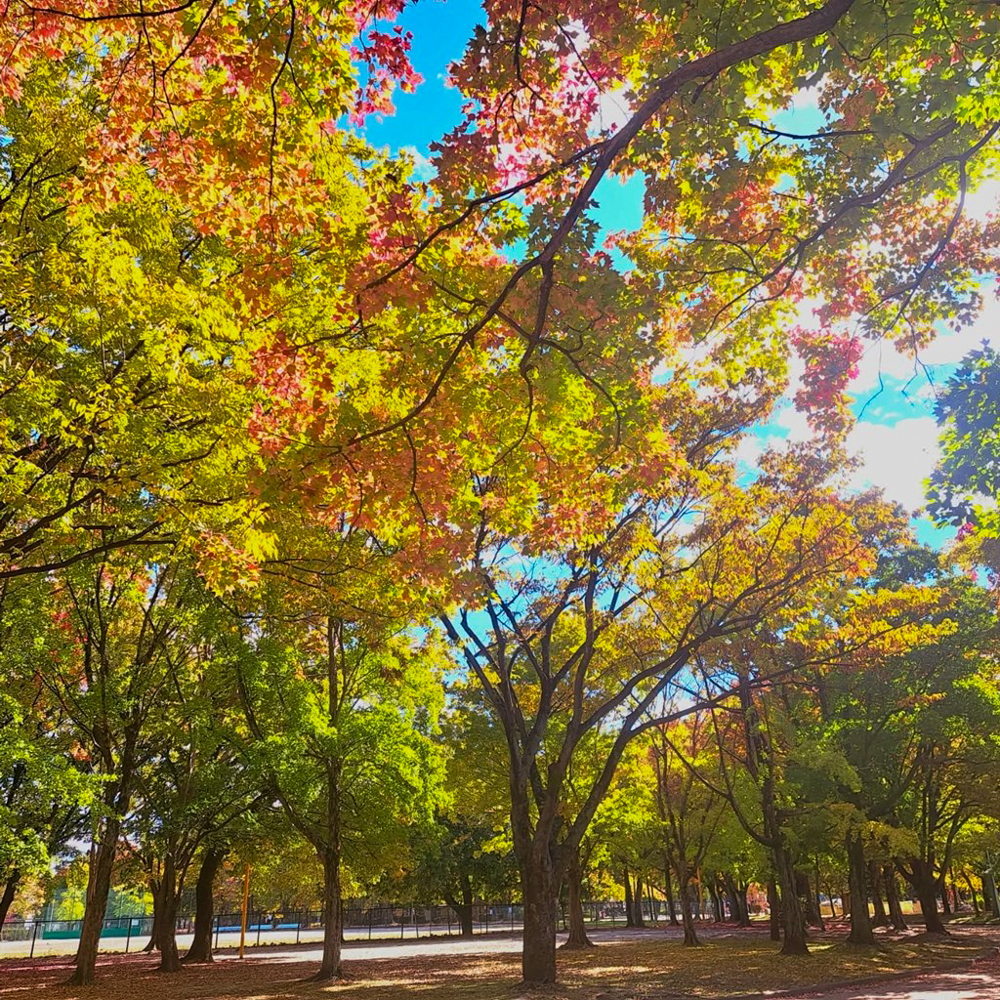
{"type": "Point", "coordinates": [540, 888]}
{"type": "Point", "coordinates": [577, 929]}
{"type": "Point", "coordinates": [774, 910]}
{"type": "Point", "coordinates": [330, 967]}
{"type": "Point", "coordinates": [816, 897]}
{"type": "Point", "coordinates": [881, 918]}
{"type": "Point", "coordinates": [637, 902]}
{"type": "Point", "coordinates": [811, 902]}
{"type": "Point", "coordinates": [968, 881]}
{"type": "Point", "coordinates": [463, 909]}
{"type": "Point", "coordinates": [98, 887]}
{"type": "Point", "coordinates": [668, 886]}
{"type": "Point", "coordinates": [629, 902]}
{"type": "Point", "coordinates": [861, 924]}
{"type": "Point", "coordinates": [9, 892]}
{"type": "Point", "coordinates": [156, 890]}
{"type": "Point", "coordinates": [738, 894]}
{"type": "Point", "coordinates": [713, 894]}
{"type": "Point", "coordinates": [687, 915]}
{"type": "Point", "coordinates": [204, 906]}
{"type": "Point", "coordinates": [170, 960]}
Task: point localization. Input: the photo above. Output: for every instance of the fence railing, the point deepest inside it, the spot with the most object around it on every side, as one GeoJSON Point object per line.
{"type": "Point", "coordinates": [361, 923]}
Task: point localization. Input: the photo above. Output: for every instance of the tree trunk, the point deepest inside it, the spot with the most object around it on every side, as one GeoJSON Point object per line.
{"type": "Point", "coordinates": [463, 910]}
{"type": "Point", "coordinates": [803, 890]}
{"type": "Point", "coordinates": [541, 902]}
{"type": "Point", "coordinates": [792, 918]}
{"type": "Point", "coordinates": [921, 877]}
{"type": "Point", "coordinates": [881, 918]}
{"type": "Point", "coordinates": [629, 902]}
{"type": "Point", "coordinates": [201, 943]}
{"type": "Point", "coordinates": [330, 967]}
{"type": "Point", "coordinates": [861, 924]}
{"type": "Point", "coordinates": [98, 887]}
{"type": "Point", "coordinates": [713, 892]}
{"type": "Point", "coordinates": [169, 958]}
{"type": "Point", "coordinates": [738, 894]}
{"type": "Point", "coordinates": [968, 881]}
{"type": "Point", "coordinates": [815, 892]}
{"type": "Point", "coordinates": [9, 892]}
{"type": "Point", "coordinates": [687, 916]}
{"type": "Point", "coordinates": [577, 929]}
{"type": "Point", "coordinates": [153, 944]}
{"type": "Point", "coordinates": [945, 902]}
{"type": "Point", "coordinates": [668, 886]}
{"type": "Point", "coordinates": [637, 902]}
{"type": "Point", "coordinates": [774, 910]}
{"type": "Point", "coordinates": [990, 893]}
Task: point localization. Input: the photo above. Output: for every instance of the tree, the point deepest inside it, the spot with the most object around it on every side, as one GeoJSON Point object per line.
{"type": "Point", "coordinates": [963, 489]}
{"type": "Point", "coordinates": [691, 811]}
{"type": "Point", "coordinates": [194, 789]}
{"type": "Point", "coordinates": [117, 636]}
{"type": "Point", "coordinates": [339, 714]}
{"type": "Point", "coordinates": [561, 645]}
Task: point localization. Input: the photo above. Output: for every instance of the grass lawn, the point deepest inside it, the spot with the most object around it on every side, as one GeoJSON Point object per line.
{"type": "Point", "coordinates": [649, 967]}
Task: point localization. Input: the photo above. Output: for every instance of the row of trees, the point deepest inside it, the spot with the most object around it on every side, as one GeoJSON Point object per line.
{"type": "Point", "coordinates": [307, 462]}
{"type": "Point", "coordinates": [849, 745]}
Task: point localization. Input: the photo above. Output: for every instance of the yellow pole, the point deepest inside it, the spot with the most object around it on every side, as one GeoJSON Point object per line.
{"type": "Point", "coordinates": [246, 899]}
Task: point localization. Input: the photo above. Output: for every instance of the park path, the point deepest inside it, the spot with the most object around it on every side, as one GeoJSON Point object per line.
{"type": "Point", "coordinates": [978, 982]}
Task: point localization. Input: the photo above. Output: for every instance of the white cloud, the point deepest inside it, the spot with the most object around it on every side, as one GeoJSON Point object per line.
{"type": "Point", "coordinates": [423, 169]}
{"type": "Point", "coordinates": [896, 458]}
{"type": "Point", "coordinates": [613, 111]}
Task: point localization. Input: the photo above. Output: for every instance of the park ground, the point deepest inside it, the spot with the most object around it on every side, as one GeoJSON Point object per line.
{"type": "Point", "coordinates": [636, 965]}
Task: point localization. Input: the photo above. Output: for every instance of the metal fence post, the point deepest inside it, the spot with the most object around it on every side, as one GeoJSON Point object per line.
{"type": "Point", "coordinates": [34, 934]}
{"type": "Point", "coordinates": [128, 937]}
{"type": "Point", "coordinates": [218, 921]}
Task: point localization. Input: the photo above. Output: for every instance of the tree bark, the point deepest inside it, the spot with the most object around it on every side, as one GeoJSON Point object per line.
{"type": "Point", "coordinates": [861, 924]}
{"type": "Point", "coordinates": [890, 882]}
{"type": "Point", "coordinates": [925, 884]}
{"type": "Point", "coordinates": [738, 894]}
{"type": "Point", "coordinates": [204, 906]}
{"type": "Point", "coordinates": [792, 918]}
{"type": "Point", "coordinates": [637, 902]}
{"type": "Point", "coordinates": [169, 958]}
{"type": "Point", "coordinates": [881, 918]}
{"type": "Point", "coordinates": [774, 910]}
{"type": "Point", "coordinates": [687, 915]}
{"type": "Point", "coordinates": [972, 891]}
{"type": "Point", "coordinates": [98, 887]}
{"type": "Point", "coordinates": [577, 929]}
{"type": "Point", "coordinates": [9, 892]}
{"type": "Point", "coordinates": [330, 966]}
{"type": "Point", "coordinates": [668, 886]}
{"type": "Point", "coordinates": [541, 897]}
{"type": "Point", "coordinates": [463, 909]}
{"type": "Point", "coordinates": [811, 906]}
{"type": "Point", "coordinates": [629, 902]}
{"type": "Point", "coordinates": [153, 944]}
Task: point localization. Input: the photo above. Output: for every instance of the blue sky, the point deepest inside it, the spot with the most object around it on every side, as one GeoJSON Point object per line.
{"type": "Point", "coordinates": [895, 437]}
